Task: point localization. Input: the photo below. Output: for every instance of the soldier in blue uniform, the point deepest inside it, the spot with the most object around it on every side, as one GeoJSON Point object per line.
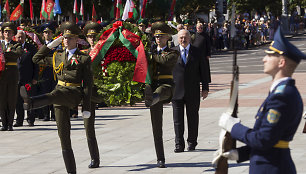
{"type": "Point", "coordinates": [267, 143]}
{"type": "Point", "coordinates": [46, 77]}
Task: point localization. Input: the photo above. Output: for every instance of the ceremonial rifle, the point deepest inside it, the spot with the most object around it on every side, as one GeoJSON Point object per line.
{"type": "Point", "coordinates": [226, 141]}
{"type": "Point", "coordinates": [304, 130]}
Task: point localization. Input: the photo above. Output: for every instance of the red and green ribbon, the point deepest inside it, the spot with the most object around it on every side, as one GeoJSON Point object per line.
{"type": "Point", "coordinates": [131, 41]}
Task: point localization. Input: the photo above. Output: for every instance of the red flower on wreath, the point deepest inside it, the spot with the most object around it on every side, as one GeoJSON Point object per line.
{"type": "Point", "coordinates": [117, 53]}
{"type": "Point", "coordinates": [28, 87]}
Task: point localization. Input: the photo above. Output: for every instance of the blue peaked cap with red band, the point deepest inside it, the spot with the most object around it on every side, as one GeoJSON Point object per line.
{"type": "Point", "coordinates": [282, 46]}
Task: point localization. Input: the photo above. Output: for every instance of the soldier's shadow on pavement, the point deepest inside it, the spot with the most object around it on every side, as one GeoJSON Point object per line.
{"type": "Point", "coordinates": [229, 166]}
{"type": "Point", "coordinates": [143, 167]}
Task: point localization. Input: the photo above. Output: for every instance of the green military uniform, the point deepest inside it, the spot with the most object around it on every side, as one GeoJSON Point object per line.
{"type": "Point", "coordinates": [9, 79]}
{"type": "Point", "coordinates": [74, 84]}
{"type": "Point", "coordinates": [161, 89]}
{"type": "Point", "coordinates": [91, 29]}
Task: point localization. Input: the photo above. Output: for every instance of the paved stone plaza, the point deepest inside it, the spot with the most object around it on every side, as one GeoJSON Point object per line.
{"type": "Point", "coordinates": [126, 142]}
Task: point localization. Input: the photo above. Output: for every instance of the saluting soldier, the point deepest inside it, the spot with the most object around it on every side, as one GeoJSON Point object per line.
{"type": "Point", "coordinates": [73, 71]}
{"type": "Point", "coordinates": [9, 77]}
{"type": "Point", "coordinates": [161, 90]}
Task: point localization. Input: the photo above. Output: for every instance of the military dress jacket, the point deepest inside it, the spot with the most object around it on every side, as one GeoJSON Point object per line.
{"type": "Point", "coordinates": [77, 70]}
{"type": "Point", "coordinates": [276, 121]}
{"type": "Point", "coordinates": [11, 53]}
{"type": "Point", "coordinates": [163, 64]}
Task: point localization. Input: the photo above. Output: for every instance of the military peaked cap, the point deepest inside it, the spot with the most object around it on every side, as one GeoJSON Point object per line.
{"type": "Point", "coordinates": [282, 46]}
{"type": "Point", "coordinates": [70, 29]}
{"type": "Point", "coordinates": [9, 26]}
{"type": "Point", "coordinates": [160, 28]}
{"type": "Point", "coordinates": [92, 28]}
{"type": "Point", "coordinates": [142, 22]}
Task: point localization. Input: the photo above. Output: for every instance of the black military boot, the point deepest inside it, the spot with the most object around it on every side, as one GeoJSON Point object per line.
{"type": "Point", "coordinates": [94, 153]}
{"type": "Point", "coordinates": [33, 102]}
{"type": "Point", "coordinates": [69, 161]}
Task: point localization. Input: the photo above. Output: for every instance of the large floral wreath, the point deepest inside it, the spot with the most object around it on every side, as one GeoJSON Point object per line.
{"type": "Point", "coordinates": [121, 48]}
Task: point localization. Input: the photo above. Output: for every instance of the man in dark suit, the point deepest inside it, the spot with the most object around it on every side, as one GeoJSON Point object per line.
{"type": "Point", "coordinates": [28, 74]}
{"type": "Point", "coordinates": [202, 41]}
{"type": "Point", "coordinates": [188, 72]}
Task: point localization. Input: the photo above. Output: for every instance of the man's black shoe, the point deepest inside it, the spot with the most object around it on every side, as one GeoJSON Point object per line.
{"type": "Point", "coordinates": [161, 164]}
{"type": "Point", "coordinates": [148, 95]}
{"type": "Point", "coordinates": [10, 128]}
{"type": "Point", "coordinates": [31, 124]}
{"type": "Point", "coordinates": [179, 149]}
{"type": "Point", "coordinates": [94, 164]}
{"type": "Point", "coordinates": [191, 148]}
{"type": "Point", "coordinates": [46, 119]}
{"type": "Point", "coordinates": [18, 124]}
{"type": "Point", "coordinates": [3, 129]}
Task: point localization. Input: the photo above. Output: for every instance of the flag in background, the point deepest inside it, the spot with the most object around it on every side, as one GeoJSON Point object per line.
{"type": "Point", "coordinates": [43, 13]}
{"type": "Point", "coordinates": [49, 9]}
{"type": "Point", "coordinates": [118, 9]}
{"type": "Point", "coordinates": [94, 14]}
{"type": "Point", "coordinates": [75, 11]}
{"type": "Point", "coordinates": [172, 10]}
{"type": "Point", "coordinates": [0, 9]}
{"type": "Point", "coordinates": [129, 10]}
{"type": "Point", "coordinates": [17, 13]}
{"type": "Point", "coordinates": [6, 9]}
{"type": "Point", "coordinates": [57, 9]}
{"type": "Point", "coordinates": [82, 10]}
{"type": "Point", "coordinates": [143, 9]}
{"type": "Point", "coordinates": [31, 10]}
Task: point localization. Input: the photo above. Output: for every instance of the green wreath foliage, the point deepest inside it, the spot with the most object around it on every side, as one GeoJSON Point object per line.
{"type": "Point", "coordinates": [116, 85]}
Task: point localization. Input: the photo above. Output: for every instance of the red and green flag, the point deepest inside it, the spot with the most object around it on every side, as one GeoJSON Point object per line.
{"type": "Point", "coordinates": [17, 13]}
{"type": "Point", "coordinates": [31, 10]}
{"type": "Point", "coordinates": [75, 11]}
{"type": "Point", "coordinates": [82, 10]}
{"type": "Point", "coordinates": [117, 9]}
{"type": "Point", "coordinates": [49, 9]}
{"type": "Point", "coordinates": [94, 14]}
{"type": "Point", "coordinates": [129, 40]}
{"type": "Point", "coordinates": [130, 10]}
{"type": "Point", "coordinates": [6, 9]}
{"type": "Point", "coordinates": [143, 9]}
{"type": "Point", "coordinates": [43, 11]}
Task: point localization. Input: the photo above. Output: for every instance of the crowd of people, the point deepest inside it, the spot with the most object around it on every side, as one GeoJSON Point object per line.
{"type": "Point", "coordinates": [57, 77]}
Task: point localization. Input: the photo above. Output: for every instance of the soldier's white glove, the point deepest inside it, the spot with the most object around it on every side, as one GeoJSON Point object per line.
{"type": "Point", "coordinates": [227, 122]}
{"type": "Point", "coordinates": [231, 155]}
{"type": "Point", "coordinates": [55, 43]}
{"type": "Point", "coordinates": [86, 114]}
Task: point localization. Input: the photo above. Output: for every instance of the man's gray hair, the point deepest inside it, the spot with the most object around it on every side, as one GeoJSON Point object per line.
{"type": "Point", "coordinates": [184, 31]}
{"type": "Point", "coordinates": [21, 31]}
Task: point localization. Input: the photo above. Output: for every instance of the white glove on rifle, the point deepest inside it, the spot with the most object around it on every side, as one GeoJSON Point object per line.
{"type": "Point", "coordinates": [55, 43]}
{"type": "Point", "coordinates": [86, 114]}
{"type": "Point", "coordinates": [231, 155]}
{"type": "Point", "coordinates": [227, 122]}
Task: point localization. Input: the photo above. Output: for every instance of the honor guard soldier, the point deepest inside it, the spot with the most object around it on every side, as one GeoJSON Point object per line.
{"type": "Point", "coordinates": [160, 91]}
{"type": "Point", "coordinates": [267, 143]}
{"type": "Point", "coordinates": [9, 77]}
{"type": "Point", "coordinates": [73, 71]}
{"type": "Point", "coordinates": [91, 30]}
{"type": "Point", "coordinates": [46, 77]}
{"type": "Point", "coordinates": [142, 25]}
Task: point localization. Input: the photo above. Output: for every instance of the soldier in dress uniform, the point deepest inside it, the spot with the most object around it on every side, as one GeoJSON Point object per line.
{"type": "Point", "coordinates": [73, 71]}
{"type": "Point", "coordinates": [160, 91]}
{"type": "Point", "coordinates": [46, 77]}
{"type": "Point", "coordinates": [91, 30]}
{"type": "Point", "coordinates": [9, 77]}
{"type": "Point", "coordinates": [267, 143]}
{"type": "Point", "coordinates": [142, 25]}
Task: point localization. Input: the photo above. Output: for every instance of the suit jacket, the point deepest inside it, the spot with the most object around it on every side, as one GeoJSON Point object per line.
{"type": "Point", "coordinates": [187, 77]}
{"type": "Point", "coordinates": [202, 42]}
{"type": "Point", "coordinates": [27, 69]}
